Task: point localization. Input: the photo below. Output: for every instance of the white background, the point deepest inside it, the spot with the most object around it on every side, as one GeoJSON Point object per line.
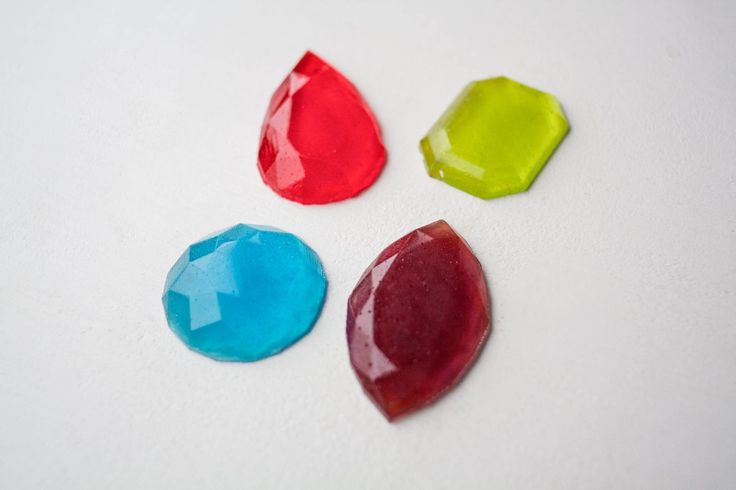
{"type": "Point", "coordinates": [129, 130]}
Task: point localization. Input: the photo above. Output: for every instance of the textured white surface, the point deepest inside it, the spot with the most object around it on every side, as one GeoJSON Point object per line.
{"type": "Point", "coordinates": [129, 129]}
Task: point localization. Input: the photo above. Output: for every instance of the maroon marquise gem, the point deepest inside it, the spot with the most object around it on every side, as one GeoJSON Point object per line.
{"type": "Point", "coordinates": [417, 318]}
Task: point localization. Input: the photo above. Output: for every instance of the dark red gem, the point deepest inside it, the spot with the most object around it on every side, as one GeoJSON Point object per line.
{"type": "Point", "coordinates": [417, 319]}
{"type": "Point", "coordinates": [320, 141]}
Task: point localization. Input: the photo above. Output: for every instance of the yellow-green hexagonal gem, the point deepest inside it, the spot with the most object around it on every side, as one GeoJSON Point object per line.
{"type": "Point", "coordinates": [494, 138]}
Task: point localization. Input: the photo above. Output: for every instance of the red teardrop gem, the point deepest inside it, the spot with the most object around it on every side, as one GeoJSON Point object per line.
{"type": "Point", "coordinates": [417, 319]}
{"type": "Point", "coordinates": [320, 142]}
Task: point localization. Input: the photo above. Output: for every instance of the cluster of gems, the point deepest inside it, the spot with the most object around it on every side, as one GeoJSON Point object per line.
{"type": "Point", "coordinates": [249, 292]}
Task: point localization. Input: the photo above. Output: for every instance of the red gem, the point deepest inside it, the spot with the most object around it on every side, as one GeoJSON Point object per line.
{"type": "Point", "coordinates": [417, 319]}
{"type": "Point", "coordinates": [320, 142]}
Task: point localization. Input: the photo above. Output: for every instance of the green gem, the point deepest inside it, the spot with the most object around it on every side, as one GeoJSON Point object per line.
{"type": "Point", "coordinates": [494, 138]}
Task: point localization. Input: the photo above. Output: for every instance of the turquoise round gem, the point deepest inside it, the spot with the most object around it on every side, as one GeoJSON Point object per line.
{"type": "Point", "coordinates": [244, 293]}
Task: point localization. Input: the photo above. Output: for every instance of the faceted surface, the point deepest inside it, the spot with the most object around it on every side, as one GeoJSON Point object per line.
{"type": "Point", "coordinates": [494, 138]}
{"type": "Point", "coordinates": [320, 141]}
{"type": "Point", "coordinates": [417, 319]}
{"type": "Point", "coordinates": [244, 293]}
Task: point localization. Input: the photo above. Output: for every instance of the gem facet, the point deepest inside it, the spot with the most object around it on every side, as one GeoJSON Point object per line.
{"type": "Point", "coordinates": [494, 138]}
{"type": "Point", "coordinates": [245, 293]}
{"type": "Point", "coordinates": [320, 142]}
{"type": "Point", "coordinates": [417, 319]}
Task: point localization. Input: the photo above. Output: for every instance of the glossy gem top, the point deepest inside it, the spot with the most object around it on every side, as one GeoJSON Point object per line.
{"type": "Point", "coordinates": [494, 138]}
{"type": "Point", "coordinates": [320, 142]}
{"type": "Point", "coordinates": [244, 293]}
{"type": "Point", "coordinates": [417, 318]}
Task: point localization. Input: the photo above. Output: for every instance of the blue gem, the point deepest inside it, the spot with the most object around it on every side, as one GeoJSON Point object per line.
{"type": "Point", "coordinates": [244, 293]}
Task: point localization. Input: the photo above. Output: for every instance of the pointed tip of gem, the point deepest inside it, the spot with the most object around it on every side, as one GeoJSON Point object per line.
{"type": "Point", "coordinates": [310, 63]}
{"type": "Point", "coordinates": [406, 359]}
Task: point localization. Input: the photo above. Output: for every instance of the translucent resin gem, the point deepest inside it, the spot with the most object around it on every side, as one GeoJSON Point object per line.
{"type": "Point", "coordinates": [494, 138]}
{"type": "Point", "coordinates": [244, 293]}
{"type": "Point", "coordinates": [320, 141]}
{"type": "Point", "coordinates": [417, 319]}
